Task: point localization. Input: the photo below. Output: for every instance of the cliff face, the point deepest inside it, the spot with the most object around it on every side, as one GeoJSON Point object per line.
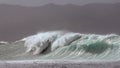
{"type": "Point", "coordinates": [17, 22]}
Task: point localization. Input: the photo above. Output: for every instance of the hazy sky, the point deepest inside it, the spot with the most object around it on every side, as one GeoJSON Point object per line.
{"type": "Point", "coordinates": [35, 19]}
{"type": "Point", "coordinates": [42, 2]}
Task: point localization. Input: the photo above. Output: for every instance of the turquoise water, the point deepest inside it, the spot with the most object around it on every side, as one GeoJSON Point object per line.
{"type": "Point", "coordinates": [89, 47]}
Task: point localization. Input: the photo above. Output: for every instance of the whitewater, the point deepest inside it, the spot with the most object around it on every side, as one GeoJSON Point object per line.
{"type": "Point", "coordinates": [89, 47]}
{"type": "Point", "coordinates": [85, 47]}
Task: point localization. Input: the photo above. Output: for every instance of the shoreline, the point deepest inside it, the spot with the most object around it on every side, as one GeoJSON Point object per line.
{"type": "Point", "coordinates": [57, 64]}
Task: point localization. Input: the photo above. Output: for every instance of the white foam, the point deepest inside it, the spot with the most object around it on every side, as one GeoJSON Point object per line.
{"type": "Point", "coordinates": [41, 41]}
{"type": "Point", "coordinates": [64, 40]}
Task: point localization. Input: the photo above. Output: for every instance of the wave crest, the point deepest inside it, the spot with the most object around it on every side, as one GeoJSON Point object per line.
{"type": "Point", "coordinates": [88, 46]}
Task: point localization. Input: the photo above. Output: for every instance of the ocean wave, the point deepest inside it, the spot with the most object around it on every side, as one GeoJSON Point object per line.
{"type": "Point", "coordinates": [86, 47]}
{"type": "Point", "coordinates": [89, 47]}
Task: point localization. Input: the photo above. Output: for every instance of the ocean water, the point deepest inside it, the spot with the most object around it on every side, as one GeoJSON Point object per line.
{"type": "Point", "coordinates": [89, 47]}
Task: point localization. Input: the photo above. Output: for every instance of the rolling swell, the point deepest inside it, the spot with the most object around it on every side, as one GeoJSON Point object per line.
{"type": "Point", "coordinates": [89, 47]}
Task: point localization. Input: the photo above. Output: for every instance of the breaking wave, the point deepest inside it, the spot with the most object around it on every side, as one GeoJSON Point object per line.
{"type": "Point", "coordinates": [89, 47]}
{"type": "Point", "coordinates": [86, 47]}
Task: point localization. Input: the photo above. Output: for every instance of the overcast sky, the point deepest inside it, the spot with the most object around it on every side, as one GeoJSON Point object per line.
{"type": "Point", "coordinates": [42, 2]}
{"type": "Point", "coordinates": [32, 20]}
